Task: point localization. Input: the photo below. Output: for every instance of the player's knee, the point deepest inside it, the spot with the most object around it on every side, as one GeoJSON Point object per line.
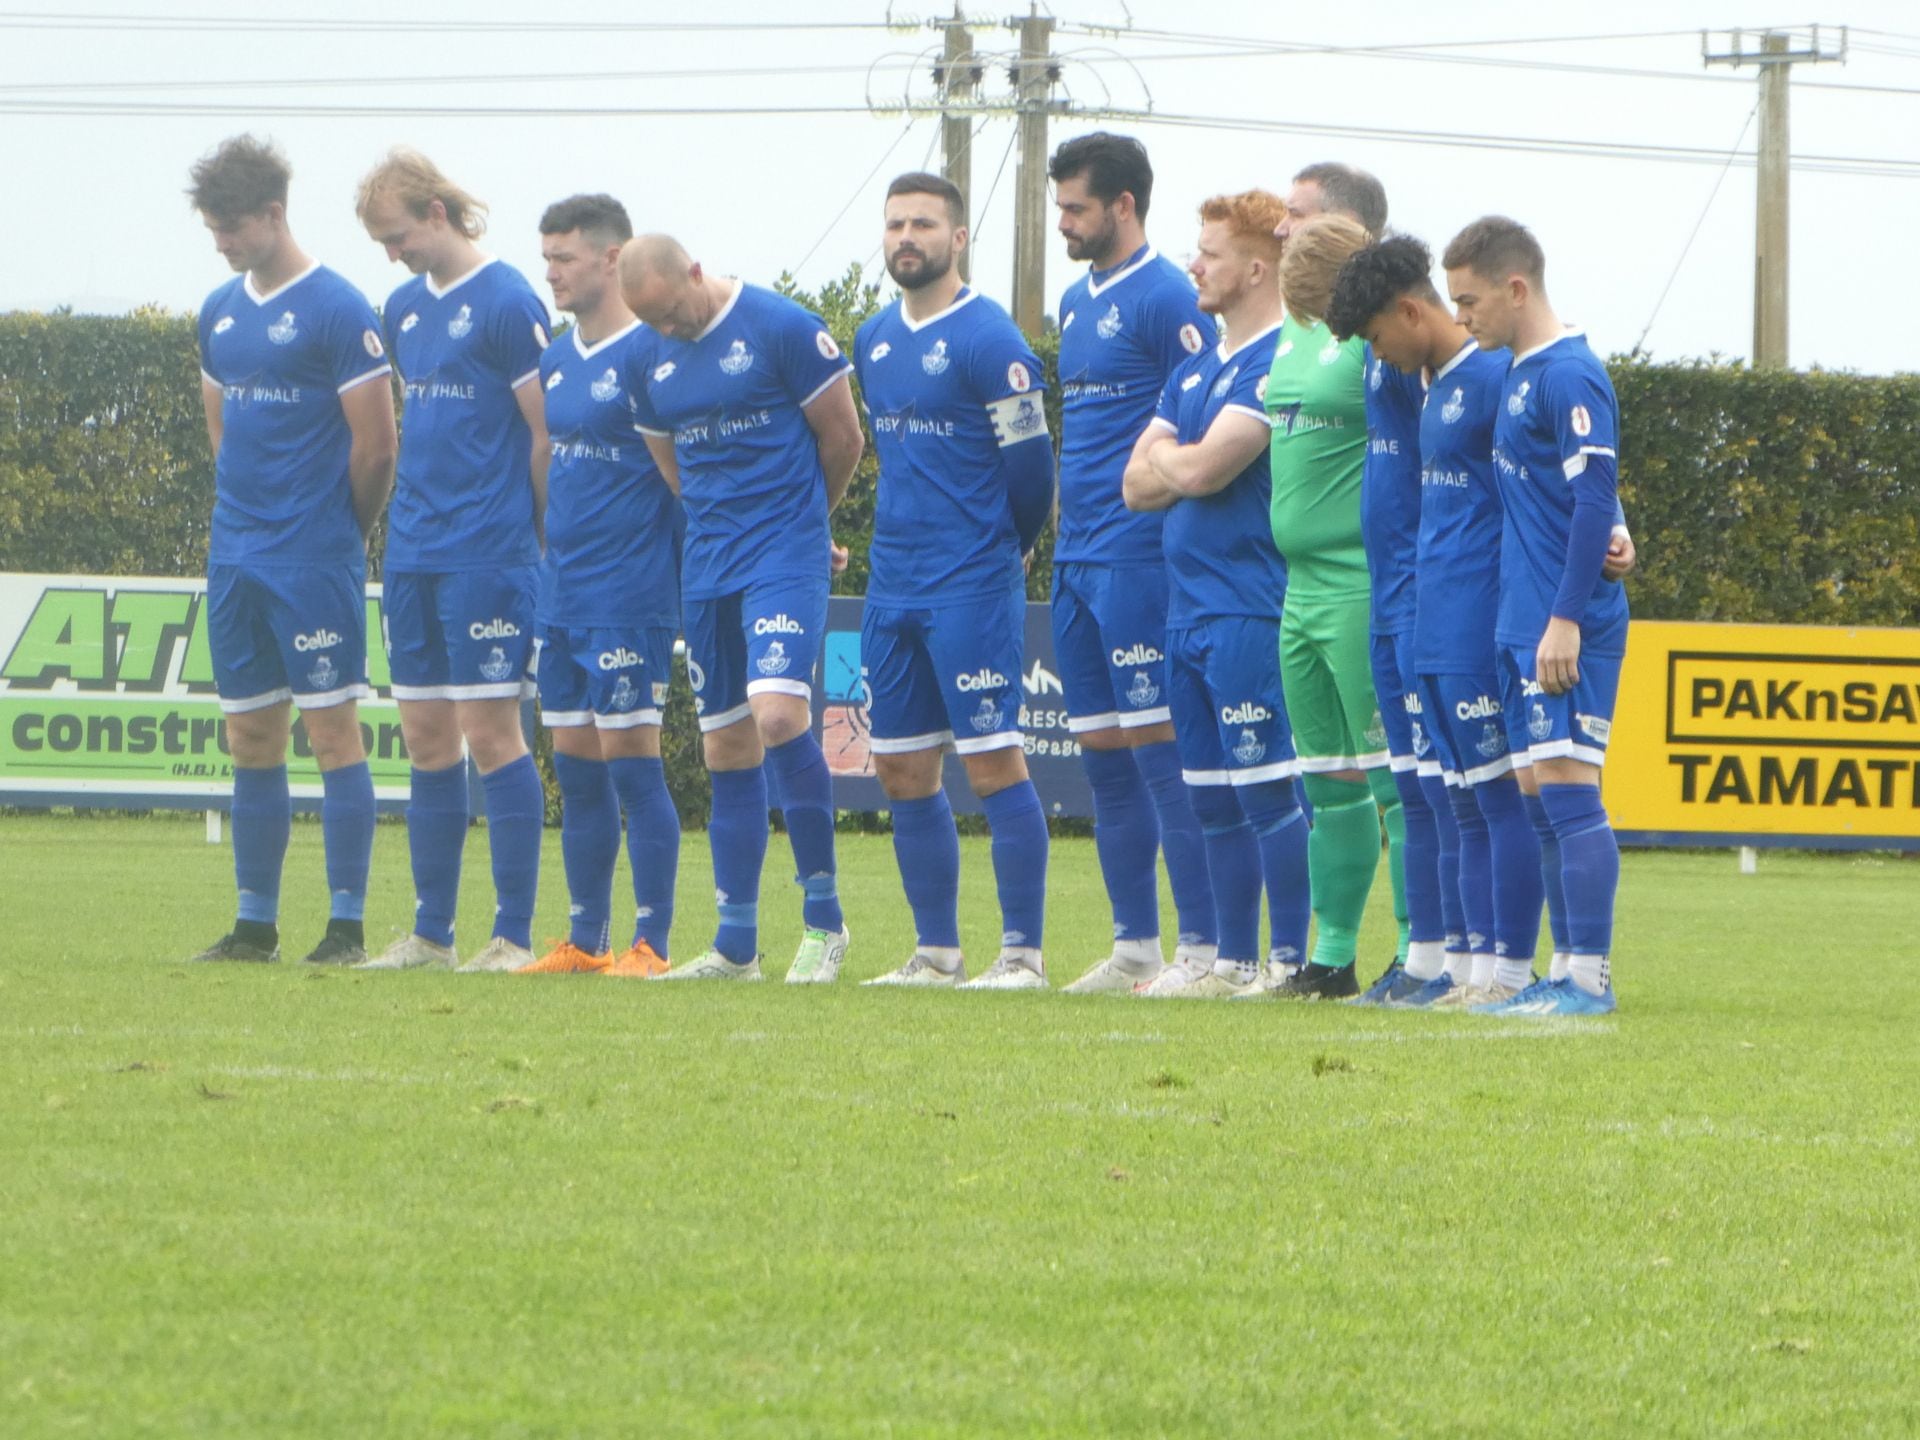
{"type": "Point", "coordinates": [335, 736]}
{"type": "Point", "coordinates": [913, 775]}
{"type": "Point", "coordinates": [258, 738]}
{"type": "Point", "coordinates": [780, 718]}
{"type": "Point", "coordinates": [992, 771]}
{"type": "Point", "coordinates": [1215, 807]}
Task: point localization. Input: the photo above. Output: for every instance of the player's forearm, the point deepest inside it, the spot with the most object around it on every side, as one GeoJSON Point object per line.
{"type": "Point", "coordinates": [537, 474]}
{"type": "Point", "coordinates": [839, 458]}
{"type": "Point", "coordinates": [370, 479]}
{"type": "Point", "coordinates": [1189, 470]}
{"type": "Point", "coordinates": [1588, 537]}
{"type": "Point", "coordinates": [1029, 472]}
{"type": "Point", "coordinates": [1142, 489]}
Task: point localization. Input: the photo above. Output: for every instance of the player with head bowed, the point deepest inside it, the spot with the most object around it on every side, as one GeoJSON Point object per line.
{"type": "Point", "coordinates": [954, 394]}
{"type": "Point", "coordinates": [1203, 460]}
{"type": "Point", "coordinates": [1562, 626]}
{"type": "Point", "coordinates": [303, 445]}
{"type": "Point", "coordinates": [1124, 327]}
{"type": "Point", "coordinates": [463, 551]}
{"type": "Point", "coordinates": [744, 400]}
{"type": "Point", "coordinates": [609, 606]}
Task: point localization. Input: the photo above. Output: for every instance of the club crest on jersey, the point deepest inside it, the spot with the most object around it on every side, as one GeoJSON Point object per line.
{"type": "Point", "coordinates": [1454, 407]}
{"type": "Point", "coordinates": [1492, 742]}
{"type": "Point", "coordinates": [1421, 745]}
{"type": "Point", "coordinates": [323, 674]}
{"type": "Point", "coordinates": [496, 667]}
{"type": "Point", "coordinates": [1539, 724]}
{"type": "Point", "coordinates": [283, 330]}
{"type": "Point", "coordinates": [986, 718]}
{"type": "Point", "coordinates": [738, 359]}
{"type": "Point", "coordinates": [607, 386]}
{"type": "Point", "coordinates": [1108, 325]}
{"type": "Point", "coordinates": [408, 323]}
{"type": "Point", "coordinates": [555, 378]}
{"type": "Point", "coordinates": [461, 325]}
{"type": "Point", "coordinates": [1376, 377]}
{"type": "Point", "coordinates": [1581, 421]}
{"type": "Point", "coordinates": [624, 696]}
{"type": "Point", "coordinates": [880, 352]}
{"type": "Point", "coordinates": [935, 361]}
{"type": "Point", "coordinates": [1250, 748]}
{"type": "Point", "coordinates": [661, 372]}
{"type": "Point", "coordinates": [1330, 351]}
{"type": "Point", "coordinates": [775, 661]}
{"type": "Point", "coordinates": [1225, 382]}
{"type": "Point", "coordinates": [1142, 692]}
{"type": "Point", "coordinates": [1018, 378]}
{"type": "Point", "coordinates": [1190, 339]}
{"type": "Point", "coordinates": [1517, 401]}
{"type": "Point", "coordinates": [823, 342]}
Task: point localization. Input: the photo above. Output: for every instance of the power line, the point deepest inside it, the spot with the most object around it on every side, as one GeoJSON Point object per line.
{"type": "Point", "coordinates": [58, 20]}
{"type": "Point", "coordinates": [858, 190]}
{"type": "Point", "coordinates": [981, 222]}
{"type": "Point", "coordinates": [1694, 234]}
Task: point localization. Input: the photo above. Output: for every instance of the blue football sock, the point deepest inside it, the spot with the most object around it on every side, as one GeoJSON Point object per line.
{"type": "Point", "coordinates": [1126, 833]}
{"type": "Point", "coordinates": [1019, 828]}
{"type": "Point", "coordinates": [589, 847]}
{"type": "Point", "coordinates": [436, 836]}
{"type": "Point", "coordinates": [927, 847]}
{"type": "Point", "coordinates": [653, 845]}
{"type": "Point", "coordinates": [1425, 922]}
{"type": "Point", "coordinates": [1589, 865]}
{"type": "Point", "coordinates": [798, 772]}
{"type": "Point", "coordinates": [1476, 870]}
{"type": "Point", "coordinates": [516, 813]}
{"type": "Point", "coordinates": [1233, 863]}
{"type": "Point", "coordinates": [738, 835]}
{"type": "Point", "coordinates": [1550, 872]}
{"type": "Point", "coordinates": [262, 825]}
{"type": "Point", "coordinates": [346, 827]}
{"type": "Point", "coordinates": [1272, 808]}
{"type": "Point", "coordinates": [1515, 853]}
{"type": "Point", "coordinates": [1181, 842]}
{"type": "Point", "coordinates": [1453, 918]}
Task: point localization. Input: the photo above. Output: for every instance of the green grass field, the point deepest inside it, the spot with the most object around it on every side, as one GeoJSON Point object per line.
{"type": "Point", "coordinates": [281, 1202]}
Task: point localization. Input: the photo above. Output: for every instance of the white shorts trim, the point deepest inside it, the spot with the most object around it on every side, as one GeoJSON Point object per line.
{"type": "Point", "coordinates": [1401, 764]}
{"type": "Point", "coordinates": [1566, 750]}
{"type": "Point", "coordinates": [910, 744]}
{"type": "Point", "coordinates": [1081, 724]}
{"type": "Point", "coordinates": [1453, 779]}
{"type": "Point", "coordinates": [504, 690]}
{"type": "Point", "coordinates": [565, 719]}
{"type": "Point", "coordinates": [630, 720]}
{"type": "Point", "coordinates": [780, 687]}
{"type": "Point", "coordinates": [327, 699]}
{"type": "Point", "coordinates": [1373, 760]}
{"type": "Point", "coordinates": [1136, 719]}
{"type": "Point", "coordinates": [1481, 774]}
{"type": "Point", "coordinates": [1278, 770]}
{"type": "Point", "coordinates": [1429, 770]}
{"type": "Point", "coordinates": [1521, 760]}
{"type": "Point", "coordinates": [1207, 777]}
{"type": "Point", "coordinates": [710, 723]}
{"type": "Point", "coordinates": [980, 744]}
{"type": "Point", "coordinates": [254, 702]}
{"type": "Point", "coordinates": [1326, 764]}
{"type": "Point", "coordinates": [421, 692]}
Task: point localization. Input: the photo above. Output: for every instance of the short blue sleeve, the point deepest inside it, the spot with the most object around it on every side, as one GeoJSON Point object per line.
{"type": "Point", "coordinates": [809, 358]}
{"type": "Point", "coordinates": [351, 336]}
{"type": "Point", "coordinates": [517, 335]}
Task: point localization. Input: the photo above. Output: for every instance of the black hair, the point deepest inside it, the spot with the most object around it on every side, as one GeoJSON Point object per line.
{"type": "Point", "coordinates": [1495, 247]}
{"type": "Point", "coordinates": [601, 214]}
{"type": "Point", "coordinates": [241, 176]}
{"type": "Point", "coordinates": [925, 182]}
{"type": "Point", "coordinates": [1350, 191]}
{"type": "Point", "coordinates": [1370, 280]}
{"type": "Point", "coordinates": [1113, 164]}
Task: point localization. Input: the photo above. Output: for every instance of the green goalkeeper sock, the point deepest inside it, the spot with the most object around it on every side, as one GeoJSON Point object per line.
{"type": "Point", "coordinates": [1342, 854]}
{"type": "Point", "coordinates": [1387, 795]}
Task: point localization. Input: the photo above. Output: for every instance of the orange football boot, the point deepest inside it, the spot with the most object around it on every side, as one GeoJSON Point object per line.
{"type": "Point", "coordinates": [567, 958]}
{"type": "Point", "coordinates": [639, 963]}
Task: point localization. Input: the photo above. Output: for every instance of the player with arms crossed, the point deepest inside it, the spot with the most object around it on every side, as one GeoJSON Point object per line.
{"type": "Point", "coordinates": [744, 400]}
{"type": "Point", "coordinates": [1203, 460]}
{"type": "Point", "coordinates": [1562, 628]}
{"type": "Point", "coordinates": [303, 448]}
{"type": "Point", "coordinates": [966, 483]}
{"type": "Point", "coordinates": [1124, 326]}
{"type": "Point", "coordinates": [609, 604]}
{"type": "Point", "coordinates": [463, 551]}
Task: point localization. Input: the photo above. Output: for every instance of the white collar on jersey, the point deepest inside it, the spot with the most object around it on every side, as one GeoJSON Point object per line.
{"type": "Point", "coordinates": [1226, 354]}
{"type": "Point", "coordinates": [437, 293]}
{"type": "Point", "coordinates": [915, 326]}
{"type": "Point", "coordinates": [1458, 355]}
{"type": "Point", "coordinates": [254, 295]}
{"type": "Point", "coordinates": [1567, 334]}
{"type": "Point", "coordinates": [1094, 287]}
{"type": "Point", "coordinates": [722, 313]}
{"type": "Point", "coordinates": [587, 352]}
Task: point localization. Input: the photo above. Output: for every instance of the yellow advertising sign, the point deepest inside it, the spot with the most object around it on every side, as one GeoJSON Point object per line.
{"type": "Point", "coordinates": [1768, 733]}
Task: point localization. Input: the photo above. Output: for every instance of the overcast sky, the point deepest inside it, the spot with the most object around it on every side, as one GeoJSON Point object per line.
{"type": "Point", "coordinates": [96, 219]}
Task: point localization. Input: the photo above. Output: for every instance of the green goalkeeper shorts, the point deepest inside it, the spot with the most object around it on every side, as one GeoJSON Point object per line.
{"type": "Point", "coordinates": [1326, 671]}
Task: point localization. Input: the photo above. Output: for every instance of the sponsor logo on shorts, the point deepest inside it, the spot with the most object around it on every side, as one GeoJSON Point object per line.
{"type": "Point", "coordinates": [1410, 702]}
{"type": "Point", "coordinates": [1142, 692]}
{"type": "Point", "coordinates": [496, 667]}
{"type": "Point", "coordinates": [775, 661]}
{"type": "Point", "coordinates": [1250, 712]}
{"type": "Point", "coordinates": [461, 325]}
{"type": "Point", "coordinates": [1481, 707]}
{"type": "Point", "coordinates": [1530, 687]}
{"type": "Point", "coordinates": [1539, 723]}
{"type": "Point", "coordinates": [617, 658]}
{"type": "Point", "coordinates": [986, 718]}
{"type": "Point", "coordinates": [624, 696]}
{"type": "Point", "coordinates": [781, 624]}
{"type": "Point", "coordinates": [981, 679]}
{"type": "Point", "coordinates": [738, 359]}
{"type": "Point", "coordinates": [1250, 749]}
{"type": "Point", "coordinates": [318, 640]}
{"type": "Point", "coordinates": [494, 629]}
{"type": "Point", "coordinates": [1136, 655]}
{"type": "Point", "coordinates": [1492, 742]}
{"type": "Point", "coordinates": [1596, 727]}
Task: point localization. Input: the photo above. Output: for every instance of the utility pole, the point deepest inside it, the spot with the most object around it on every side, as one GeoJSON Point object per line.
{"type": "Point", "coordinates": [1775, 58]}
{"type": "Point", "coordinates": [1033, 78]}
{"type": "Point", "coordinates": [958, 78]}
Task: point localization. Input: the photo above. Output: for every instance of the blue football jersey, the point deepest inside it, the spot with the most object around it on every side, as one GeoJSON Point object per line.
{"type": "Point", "coordinates": [1460, 516]}
{"type": "Point", "coordinates": [1219, 548]}
{"type": "Point", "coordinates": [613, 526]}
{"type": "Point", "coordinates": [733, 399]}
{"type": "Point", "coordinates": [463, 491]}
{"type": "Point", "coordinates": [1122, 332]}
{"type": "Point", "coordinates": [282, 362]}
{"type": "Point", "coordinates": [1559, 413]}
{"type": "Point", "coordinates": [1390, 493]}
{"type": "Point", "coordinates": [946, 397]}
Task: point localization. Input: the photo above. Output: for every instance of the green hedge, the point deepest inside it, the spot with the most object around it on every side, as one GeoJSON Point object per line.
{"type": "Point", "coordinates": [1753, 496]}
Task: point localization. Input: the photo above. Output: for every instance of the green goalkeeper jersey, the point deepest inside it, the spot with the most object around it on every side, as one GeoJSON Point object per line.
{"type": "Point", "coordinates": [1316, 399]}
